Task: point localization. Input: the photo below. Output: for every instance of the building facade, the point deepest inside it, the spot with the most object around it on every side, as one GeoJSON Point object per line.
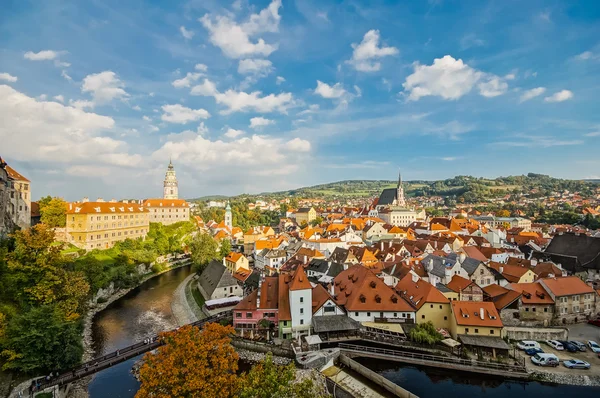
{"type": "Point", "coordinates": [228, 217]}
{"type": "Point", "coordinates": [170, 186]}
{"type": "Point", "coordinates": [98, 225]}
{"type": "Point", "coordinates": [15, 199]}
{"type": "Point", "coordinates": [305, 215]}
{"type": "Point", "coordinates": [167, 211]}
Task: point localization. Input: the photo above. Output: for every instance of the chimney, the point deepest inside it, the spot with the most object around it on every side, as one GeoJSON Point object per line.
{"type": "Point", "coordinates": [381, 244]}
{"type": "Point", "coordinates": [85, 199]}
{"type": "Point", "coordinates": [305, 259]}
{"type": "Point", "coordinates": [415, 277]}
{"type": "Point", "coordinates": [430, 265]}
{"type": "Point", "coordinates": [331, 290]}
{"type": "Point", "coordinates": [100, 200]}
{"type": "Point", "coordinates": [113, 200]}
{"type": "Point", "coordinates": [481, 314]}
{"type": "Point", "coordinates": [70, 206]}
{"type": "Point", "coordinates": [125, 201]}
{"type": "Point", "coordinates": [501, 269]}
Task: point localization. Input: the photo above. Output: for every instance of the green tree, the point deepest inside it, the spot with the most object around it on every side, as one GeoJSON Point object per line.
{"type": "Point", "coordinates": [203, 249]}
{"type": "Point", "coordinates": [425, 333]}
{"type": "Point", "coordinates": [225, 248]}
{"type": "Point", "coordinates": [316, 221]}
{"type": "Point", "coordinates": [53, 211]}
{"type": "Point", "coordinates": [40, 340]}
{"type": "Point", "coordinates": [267, 380]}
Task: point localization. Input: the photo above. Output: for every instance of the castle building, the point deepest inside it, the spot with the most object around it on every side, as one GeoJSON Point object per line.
{"type": "Point", "coordinates": [392, 208]}
{"type": "Point", "coordinates": [171, 187]}
{"type": "Point", "coordinates": [15, 199]}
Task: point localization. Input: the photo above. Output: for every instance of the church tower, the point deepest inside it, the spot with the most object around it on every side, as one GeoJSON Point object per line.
{"type": "Point", "coordinates": [171, 189]}
{"type": "Point", "coordinates": [228, 217]}
{"type": "Point", "coordinates": [400, 201]}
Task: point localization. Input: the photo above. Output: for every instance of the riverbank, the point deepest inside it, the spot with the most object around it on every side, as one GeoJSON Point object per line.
{"type": "Point", "coordinates": [184, 306]}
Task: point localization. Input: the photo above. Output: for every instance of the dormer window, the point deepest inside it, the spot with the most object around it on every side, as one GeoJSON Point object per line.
{"type": "Point", "coordinates": [362, 298]}
{"type": "Point", "coordinates": [394, 299]}
{"type": "Point", "coordinates": [378, 299]}
{"type": "Point", "coordinates": [373, 284]}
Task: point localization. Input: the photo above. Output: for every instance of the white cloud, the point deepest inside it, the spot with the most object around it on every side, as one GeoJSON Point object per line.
{"type": "Point", "coordinates": [258, 122]}
{"type": "Point", "coordinates": [146, 118]}
{"type": "Point", "coordinates": [358, 91]}
{"type": "Point", "coordinates": [256, 67]}
{"type": "Point", "coordinates": [593, 134]}
{"type": "Point", "coordinates": [365, 55]}
{"type": "Point", "coordinates": [537, 142]}
{"type": "Point", "coordinates": [450, 79]}
{"type": "Point", "coordinates": [177, 113]}
{"type": "Point", "coordinates": [42, 97]}
{"type": "Point", "coordinates": [187, 80]}
{"type": "Point", "coordinates": [510, 76]}
{"type": "Point", "coordinates": [327, 91]}
{"type": "Point", "coordinates": [104, 87]}
{"type": "Point", "coordinates": [59, 98]}
{"type": "Point", "coordinates": [450, 158]}
{"type": "Point", "coordinates": [44, 55]}
{"type": "Point", "coordinates": [187, 34]}
{"type": "Point", "coordinates": [8, 77]}
{"type": "Point", "coordinates": [153, 129]}
{"type": "Point", "coordinates": [494, 87]}
{"type": "Point", "coordinates": [235, 39]}
{"type": "Point", "coordinates": [587, 55]}
{"type": "Point", "coordinates": [201, 67]}
{"type": "Point", "coordinates": [62, 134]}
{"type": "Point", "coordinates": [66, 75]}
{"type": "Point", "coordinates": [233, 133]}
{"type": "Point", "coordinates": [136, 108]}
{"type": "Point", "coordinates": [279, 80]}
{"type": "Point", "coordinates": [298, 145]}
{"type": "Point", "coordinates": [470, 41]}
{"type": "Point", "coordinates": [529, 94]}
{"type": "Point", "coordinates": [559, 96]}
{"type": "Point", "coordinates": [81, 104]}
{"type": "Point", "coordinates": [240, 101]}
{"type": "Point", "coordinates": [311, 109]}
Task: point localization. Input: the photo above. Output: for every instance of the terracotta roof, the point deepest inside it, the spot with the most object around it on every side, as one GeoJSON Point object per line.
{"type": "Point", "coordinates": [220, 235]}
{"type": "Point", "coordinates": [320, 295]}
{"type": "Point", "coordinates": [14, 174]}
{"type": "Point", "coordinates": [506, 299]}
{"type": "Point", "coordinates": [494, 290]}
{"type": "Point", "coordinates": [299, 280]}
{"type": "Point", "coordinates": [166, 203]}
{"type": "Point", "coordinates": [269, 297]}
{"type": "Point", "coordinates": [512, 273]}
{"type": "Point", "coordinates": [105, 207]}
{"type": "Point", "coordinates": [458, 283]}
{"type": "Point", "coordinates": [532, 293]}
{"type": "Point", "coordinates": [284, 297]}
{"type": "Point", "coordinates": [474, 252]}
{"type": "Point", "coordinates": [566, 286]}
{"type": "Point", "coordinates": [468, 313]}
{"type": "Point", "coordinates": [543, 270]}
{"type": "Point", "coordinates": [233, 257]}
{"type": "Point", "coordinates": [35, 209]}
{"type": "Point", "coordinates": [421, 291]}
{"type": "Point", "coordinates": [242, 275]}
{"type": "Point", "coordinates": [359, 289]}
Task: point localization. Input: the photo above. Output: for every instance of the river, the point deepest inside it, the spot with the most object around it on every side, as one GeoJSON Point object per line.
{"type": "Point", "coordinates": [442, 383]}
{"type": "Point", "coordinates": [143, 312]}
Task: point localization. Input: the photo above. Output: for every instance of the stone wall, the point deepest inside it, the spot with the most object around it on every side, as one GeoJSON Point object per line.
{"type": "Point", "coordinates": [538, 334]}
{"type": "Point", "coordinates": [262, 347]}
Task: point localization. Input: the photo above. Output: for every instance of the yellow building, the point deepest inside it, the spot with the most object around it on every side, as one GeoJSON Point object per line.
{"type": "Point", "coordinates": [236, 261]}
{"type": "Point", "coordinates": [253, 234]}
{"type": "Point", "coordinates": [98, 225]}
{"type": "Point", "coordinates": [475, 318]}
{"type": "Point", "coordinates": [305, 215]}
{"type": "Point", "coordinates": [430, 303]}
{"type": "Point", "coordinates": [167, 211]}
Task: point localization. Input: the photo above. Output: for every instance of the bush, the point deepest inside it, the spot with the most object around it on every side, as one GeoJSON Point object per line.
{"type": "Point", "coordinates": [425, 333]}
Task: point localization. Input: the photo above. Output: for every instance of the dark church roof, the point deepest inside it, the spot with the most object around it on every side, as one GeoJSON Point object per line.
{"type": "Point", "coordinates": [387, 197]}
{"type": "Point", "coordinates": [575, 252]}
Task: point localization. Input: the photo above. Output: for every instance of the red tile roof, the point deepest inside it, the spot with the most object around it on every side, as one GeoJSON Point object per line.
{"type": "Point", "coordinates": [421, 291]}
{"type": "Point", "coordinates": [566, 286]}
{"type": "Point", "coordinates": [233, 257]}
{"type": "Point", "coordinates": [299, 280]}
{"type": "Point", "coordinates": [166, 203]}
{"type": "Point", "coordinates": [14, 174]}
{"type": "Point", "coordinates": [105, 207]}
{"type": "Point", "coordinates": [458, 283]}
{"type": "Point", "coordinates": [532, 293]}
{"type": "Point", "coordinates": [468, 313]}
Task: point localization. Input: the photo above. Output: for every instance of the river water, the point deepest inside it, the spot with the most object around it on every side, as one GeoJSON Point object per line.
{"type": "Point", "coordinates": [143, 312]}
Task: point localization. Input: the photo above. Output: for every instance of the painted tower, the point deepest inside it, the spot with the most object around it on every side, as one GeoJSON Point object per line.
{"type": "Point", "coordinates": [228, 217]}
{"type": "Point", "coordinates": [400, 201]}
{"type": "Point", "coordinates": [171, 189]}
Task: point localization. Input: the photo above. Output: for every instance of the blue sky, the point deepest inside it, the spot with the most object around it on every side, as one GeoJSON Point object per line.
{"type": "Point", "coordinates": [252, 96]}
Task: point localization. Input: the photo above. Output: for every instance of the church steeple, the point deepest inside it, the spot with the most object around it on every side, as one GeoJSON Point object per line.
{"type": "Point", "coordinates": [400, 201]}
{"type": "Point", "coordinates": [171, 186]}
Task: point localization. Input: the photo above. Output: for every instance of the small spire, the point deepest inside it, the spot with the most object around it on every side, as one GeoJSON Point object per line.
{"type": "Point", "coordinates": [399, 177]}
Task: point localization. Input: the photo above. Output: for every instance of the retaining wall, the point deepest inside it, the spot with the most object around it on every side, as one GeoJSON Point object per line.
{"type": "Point", "coordinates": [376, 378]}
{"type": "Point", "coordinates": [262, 347]}
{"type": "Point", "coordinates": [523, 333]}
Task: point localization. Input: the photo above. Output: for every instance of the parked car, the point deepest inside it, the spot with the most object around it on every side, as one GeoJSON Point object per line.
{"type": "Point", "coordinates": [594, 346]}
{"type": "Point", "coordinates": [567, 345]}
{"type": "Point", "coordinates": [555, 344]}
{"type": "Point", "coordinates": [542, 359]}
{"type": "Point", "coordinates": [576, 364]}
{"type": "Point", "coordinates": [526, 344]}
{"type": "Point", "coordinates": [595, 322]}
{"type": "Point", "coordinates": [533, 351]}
{"type": "Point", "coordinates": [578, 344]}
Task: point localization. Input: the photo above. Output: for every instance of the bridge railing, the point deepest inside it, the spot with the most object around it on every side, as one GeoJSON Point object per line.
{"type": "Point", "coordinates": [434, 358]}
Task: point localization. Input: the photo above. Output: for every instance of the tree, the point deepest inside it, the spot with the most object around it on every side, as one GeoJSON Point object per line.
{"type": "Point", "coordinates": [40, 340]}
{"type": "Point", "coordinates": [503, 213]}
{"type": "Point", "coordinates": [225, 248]}
{"type": "Point", "coordinates": [425, 333]}
{"type": "Point", "coordinates": [317, 221]}
{"type": "Point", "coordinates": [53, 212]}
{"type": "Point", "coordinates": [203, 248]}
{"type": "Point", "coordinates": [267, 380]}
{"type": "Point", "coordinates": [192, 363]}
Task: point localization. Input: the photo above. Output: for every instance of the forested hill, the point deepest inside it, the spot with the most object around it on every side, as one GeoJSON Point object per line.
{"type": "Point", "coordinates": [471, 188]}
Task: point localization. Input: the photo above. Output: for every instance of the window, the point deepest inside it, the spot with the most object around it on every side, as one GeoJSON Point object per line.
{"type": "Point", "coordinates": [248, 315]}
{"type": "Point", "coordinates": [329, 308]}
{"type": "Point", "coordinates": [238, 314]}
{"type": "Point", "coordinates": [526, 309]}
{"type": "Point", "coordinates": [576, 298]}
{"type": "Point", "coordinates": [368, 314]}
{"type": "Point", "coordinates": [422, 316]}
{"type": "Point", "coordinates": [545, 309]}
{"type": "Point", "coordinates": [532, 309]}
{"type": "Point", "coordinates": [476, 330]}
{"type": "Point", "coordinates": [356, 314]}
{"type": "Point", "coordinates": [302, 310]}
{"type": "Point", "coordinates": [440, 306]}
{"type": "Point", "coordinates": [301, 299]}
{"type": "Point", "coordinates": [481, 271]}
{"type": "Point", "coordinates": [284, 323]}
{"type": "Point", "coordinates": [492, 331]}
{"type": "Point", "coordinates": [466, 330]}
{"type": "Point", "coordinates": [431, 305]}
{"type": "Point", "coordinates": [445, 318]}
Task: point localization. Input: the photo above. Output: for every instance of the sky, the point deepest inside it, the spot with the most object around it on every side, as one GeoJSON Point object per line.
{"type": "Point", "coordinates": [251, 96]}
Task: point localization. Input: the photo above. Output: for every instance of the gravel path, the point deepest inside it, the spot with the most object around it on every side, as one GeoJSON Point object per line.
{"type": "Point", "coordinates": [180, 305]}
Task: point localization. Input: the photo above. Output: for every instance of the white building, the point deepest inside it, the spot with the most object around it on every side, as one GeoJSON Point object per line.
{"type": "Point", "coordinates": [170, 186]}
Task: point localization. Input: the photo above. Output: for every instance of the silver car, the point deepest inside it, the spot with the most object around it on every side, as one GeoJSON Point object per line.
{"type": "Point", "coordinates": [576, 364]}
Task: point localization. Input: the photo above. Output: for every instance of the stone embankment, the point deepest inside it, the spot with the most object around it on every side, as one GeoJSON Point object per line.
{"type": "Point", "coordinates": [567, 378]}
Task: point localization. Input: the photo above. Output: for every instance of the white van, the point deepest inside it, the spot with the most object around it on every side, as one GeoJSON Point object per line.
{"type": "Point", "coordinates": [527, 344]}
{"type": "Point", "coordinates": [542, 359]}
{"type": "Point", "coordinates": [556, 345]}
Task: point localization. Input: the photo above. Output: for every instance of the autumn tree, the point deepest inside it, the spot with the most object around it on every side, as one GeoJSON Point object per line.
{"type": "Point", "coordinates": [267, 380]}
{"type": "Point", "coordinates": [53, 211]}
{"type": "Point", "coordinates": [503, 213]}
{"type": "Point", "coordinates": [192, 363]}
{"type": "Point", "coordinates": [203, 248]}
{"type": "Point", "coordinates": [225, 248]}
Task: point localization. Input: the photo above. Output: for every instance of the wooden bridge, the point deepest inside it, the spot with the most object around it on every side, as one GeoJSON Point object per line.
{"type": "Point", "coordinates": [436, 361]}
{"type": "Point", "coordinates": [106, 361]}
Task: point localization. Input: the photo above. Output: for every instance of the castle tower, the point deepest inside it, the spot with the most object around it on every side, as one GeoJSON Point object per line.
{"type": "Point", "coordinates": [228, 217]}
{"type": "Point", "coordinates": [400, 201]}
{"type": "Point", "coordinates": [171, 188]}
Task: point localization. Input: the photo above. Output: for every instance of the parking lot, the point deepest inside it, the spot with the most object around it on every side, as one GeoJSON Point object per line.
{"type": "Point", "coordinates": [582, 333]}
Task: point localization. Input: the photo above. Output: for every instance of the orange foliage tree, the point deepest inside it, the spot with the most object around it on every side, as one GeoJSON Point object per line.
{"type": "Point", "coordinates": [192, 363]}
